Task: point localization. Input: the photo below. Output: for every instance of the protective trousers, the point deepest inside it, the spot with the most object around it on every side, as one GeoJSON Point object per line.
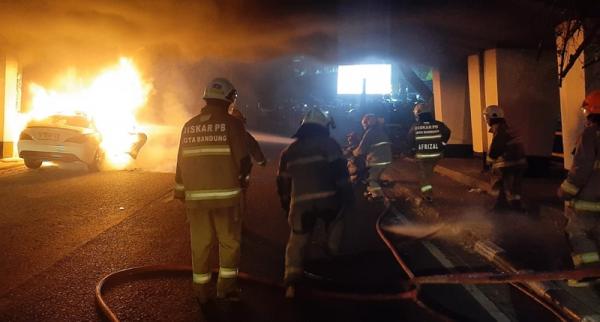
{"type": "Point", "coordinates": [302, 225]}
{"type": "Point", "coordinates": [583, 229]}
{"type": "Point", "coordinates": [373, 186]}
{"type": "Point", "coordinates": [226, 225]}
{"type": "Point", "coordinates": [426, 167]}
{"type": "Point", "coordinates": [508, 181]}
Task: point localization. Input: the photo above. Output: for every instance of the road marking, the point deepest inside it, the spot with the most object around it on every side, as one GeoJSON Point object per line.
{"type": "Point", "coordinates": [475, 292]}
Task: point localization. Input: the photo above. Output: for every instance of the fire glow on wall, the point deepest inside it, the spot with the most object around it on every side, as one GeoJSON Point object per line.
{"type": "Point", "coordinates": [377, 79]}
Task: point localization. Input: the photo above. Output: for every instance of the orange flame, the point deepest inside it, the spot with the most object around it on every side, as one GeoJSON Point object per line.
{"type": "Point", "coordinates": [112, 100]}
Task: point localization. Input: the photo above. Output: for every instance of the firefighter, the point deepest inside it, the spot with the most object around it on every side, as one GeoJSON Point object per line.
{"type": "Point", "coordinates": [506, 157]}
{"type": "Point", "coordinates": [376, 149]}
{"type": "Point", "coordinates": [356, 165]}
{"type": "Point", "coordinates": [313, 184]}
{"type": "Point", "coordinates": [581, 191]}
{"type": "Point", "coordinates": [427, 138]}
{"type": "Point", "coordinates": [211, 166]}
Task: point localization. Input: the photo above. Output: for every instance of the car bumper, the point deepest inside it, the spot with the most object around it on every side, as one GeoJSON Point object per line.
{"type": "Point", "coordinates": [67, 152]}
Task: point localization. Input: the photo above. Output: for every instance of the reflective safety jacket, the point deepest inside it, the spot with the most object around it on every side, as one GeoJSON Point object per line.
{"type": "Point", "coordinates": [583, 180]}
{"type": "Point", "coordinates": [505, 150]}
{"type": "Point", "coordinates": [427, 139]}
{"type": "Point", "coordinates": [213, 156]}
{"type": "Point", "coordinates": [376, 145]}
{"type": "Point", "coordinates": [313, 176]}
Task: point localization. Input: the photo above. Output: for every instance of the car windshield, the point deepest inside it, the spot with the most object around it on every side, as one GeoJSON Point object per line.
{"type": "Point", "coordinates": [70, 120]}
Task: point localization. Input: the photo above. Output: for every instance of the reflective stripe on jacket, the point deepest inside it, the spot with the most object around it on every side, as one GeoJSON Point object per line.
{"type": "Point", "coordinates": [427, 139]}
{"type": "Point", "coordinates": [211, 149]}
{"type": "Point", "coordinates": [308, 176]}
{"type": "Point", "coordinates": [584, 205]}
{"type": "Point", "coordinates": [506, 150]}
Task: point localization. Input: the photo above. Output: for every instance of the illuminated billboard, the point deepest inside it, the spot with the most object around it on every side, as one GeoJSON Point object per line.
{"type": "Point", "coordinates": [378, 79]}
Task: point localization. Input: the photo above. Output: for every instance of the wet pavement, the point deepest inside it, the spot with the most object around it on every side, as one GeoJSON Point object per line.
{"type": "Point", "coordinates": [78, 234]}
{"type": "Point", "coordinates": [532, 240]}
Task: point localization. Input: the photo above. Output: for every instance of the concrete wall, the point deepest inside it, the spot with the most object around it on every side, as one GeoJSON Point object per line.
{"type": "Point", "coordinates": [451, 102]}
{"type": "Point", "coordinates": [525, 87]}
{"type": "Point", "coordinates": [477, 103]}
{"type": "Point", "coordinates": [572, 94]}
{"type": "Point", "coordinates": [530, 97]}
{"type": "Point", "coordinates": [9, 106]}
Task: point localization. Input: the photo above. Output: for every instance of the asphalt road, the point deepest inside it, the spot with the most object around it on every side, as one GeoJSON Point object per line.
{"type": "Point", "coordinates": [63, 229]}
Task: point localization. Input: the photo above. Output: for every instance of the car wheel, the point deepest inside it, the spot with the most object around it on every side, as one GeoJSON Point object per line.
{"type": "Point", "coordinates": [33, 164]}
{"type": "Point", "coordinates": [96, 164]}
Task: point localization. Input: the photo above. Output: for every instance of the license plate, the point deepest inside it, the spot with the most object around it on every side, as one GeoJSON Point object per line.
{"type": "Point", "coordinates": [60, 148]}
{"type": "Point", "coordinates": [48, 136]}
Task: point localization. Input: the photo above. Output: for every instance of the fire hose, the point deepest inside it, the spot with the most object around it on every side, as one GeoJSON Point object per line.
{"type": "Point", "coordinates": [411, 294]}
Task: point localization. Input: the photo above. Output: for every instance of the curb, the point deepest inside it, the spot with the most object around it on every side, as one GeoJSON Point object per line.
{"type": "Point", "coordinates": [484, 186]}
{"type": "Point", "coordinates": [6, 165]}
{"type": "Point", "coordinates": [464, 179]}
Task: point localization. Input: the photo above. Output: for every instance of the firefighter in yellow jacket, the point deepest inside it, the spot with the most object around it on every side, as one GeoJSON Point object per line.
{"type": "Point", "coordinates": [211, 165]}
{"type": "Point", "coordinates": [581, 191]}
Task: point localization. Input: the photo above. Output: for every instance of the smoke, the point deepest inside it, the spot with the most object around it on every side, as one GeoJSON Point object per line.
{"type": "Point", "coordinates": [473, 220]}
{"type": "Point", "coordinates": [47, 36]}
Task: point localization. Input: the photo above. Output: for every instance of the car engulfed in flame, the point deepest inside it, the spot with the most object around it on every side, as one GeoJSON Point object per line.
{"type": "Point", "coordinates": [92, 121]}
{"type": "Point", "coordinates": [69, 138]}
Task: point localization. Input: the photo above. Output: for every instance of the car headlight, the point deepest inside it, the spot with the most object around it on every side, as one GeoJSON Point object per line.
{"type": "Point", "coordinates": [25, 136]}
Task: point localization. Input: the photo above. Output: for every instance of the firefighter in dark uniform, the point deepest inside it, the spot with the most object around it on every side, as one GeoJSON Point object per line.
{"type": "Point", "coordinates": [581, 190]}
{"type": "Point", "coordinates": [427, 138]}
{"type": "Point", "coordinates": [506, 157]}
{"type": "Point", "coordinates": [313, 184]}
{"type": "Point", "coordinates": [376, 149]}
{"type": "Point", "coordinates": [212, 163]}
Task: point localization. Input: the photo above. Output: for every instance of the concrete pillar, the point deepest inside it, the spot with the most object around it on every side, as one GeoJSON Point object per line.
{"type": "Point", "coordinates": [451, 102]}
{"type": "Point", "coordinates": [524, 85]}
{"type": "Point", "coordinates": [10, 102]}
{"type": "Point", "coordinates": [477, 103]}
{"type": "Point", "coordinates": [572, 93]}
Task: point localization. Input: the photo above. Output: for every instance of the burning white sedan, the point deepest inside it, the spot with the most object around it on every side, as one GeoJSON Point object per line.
{"type": "Point", "coordinates": [64, 138]}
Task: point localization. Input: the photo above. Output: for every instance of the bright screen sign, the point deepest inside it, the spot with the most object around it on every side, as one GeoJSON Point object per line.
{"type": "Point", "coordinates": [378, 79]}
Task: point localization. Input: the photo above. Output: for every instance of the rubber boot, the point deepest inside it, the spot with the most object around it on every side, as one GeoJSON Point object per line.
{"type": "Point", "coordinates": [202, 292]}
{"type": "Point", "coordinates": [228, 289]}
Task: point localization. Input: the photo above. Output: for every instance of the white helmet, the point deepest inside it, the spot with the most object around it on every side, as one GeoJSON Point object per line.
{"type": "Point", "coordinates": [493, 112]}
{"type": "Point", "coordinates": [317, 116]}
{"type": "Point", "coordinates": [221, 89]}
{"type": "Point", "coordinates": [421, 108]}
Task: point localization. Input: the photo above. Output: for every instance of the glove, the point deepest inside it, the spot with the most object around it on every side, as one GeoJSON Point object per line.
{"type": "Point", "coordinates": [562, 195]}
